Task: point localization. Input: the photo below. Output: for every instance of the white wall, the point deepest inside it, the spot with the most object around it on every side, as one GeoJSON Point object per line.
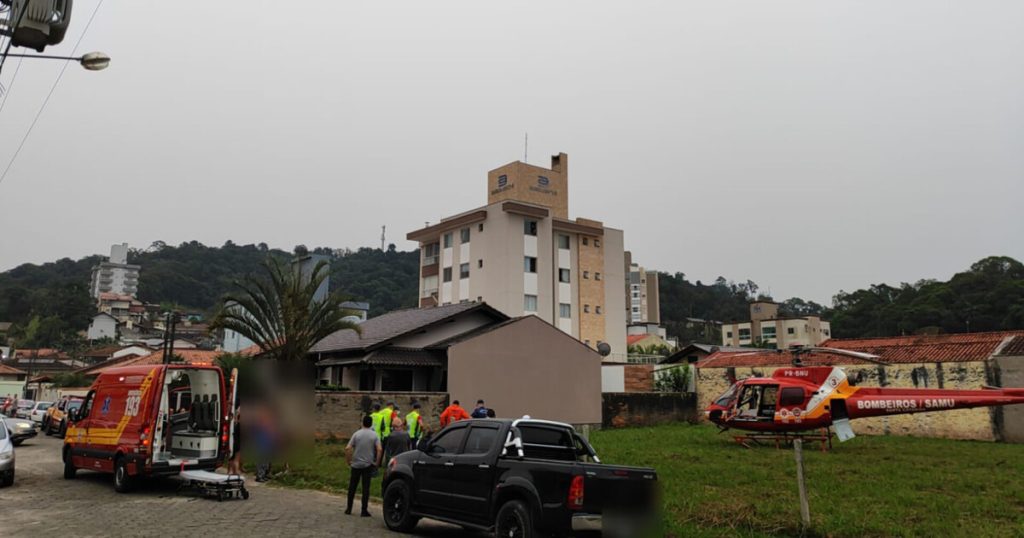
{"type": "Point", "coordinates": [613, 379]}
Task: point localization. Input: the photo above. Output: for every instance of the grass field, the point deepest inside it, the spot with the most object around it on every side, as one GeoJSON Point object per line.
{"type": "Point", "coordinates": [870, 486]}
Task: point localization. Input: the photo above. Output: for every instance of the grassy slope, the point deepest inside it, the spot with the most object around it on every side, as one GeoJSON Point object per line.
{"type": "Point", "coordinates": [871, 486]}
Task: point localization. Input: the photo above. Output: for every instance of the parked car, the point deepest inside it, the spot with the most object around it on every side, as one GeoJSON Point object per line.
{"type": "Point", "coordinates": [38, 411]}
{"type": "Point", "coordinates": [20, 429]}
{"type": "Point", "coordinates": [24, 407]}
{"type": "Point", "coordinates": [519, 478]}
{"type": "Point", "coordinates": [56, 420]}
{"type": "Point", "coordinates": [6, 456]}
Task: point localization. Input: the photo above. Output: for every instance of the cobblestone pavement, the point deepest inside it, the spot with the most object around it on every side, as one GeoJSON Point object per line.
{"type": "Point", "coordinates": [41, 504]}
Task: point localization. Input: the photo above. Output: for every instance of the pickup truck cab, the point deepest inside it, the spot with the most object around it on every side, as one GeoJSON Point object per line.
{"type": "Point", "coordinates": [126, 425]}
{"type": "Point", "coordinates": [518, 478]}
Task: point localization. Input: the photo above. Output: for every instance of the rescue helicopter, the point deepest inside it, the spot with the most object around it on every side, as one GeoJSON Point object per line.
{"type": "Point", "coordinates": [805, 398]}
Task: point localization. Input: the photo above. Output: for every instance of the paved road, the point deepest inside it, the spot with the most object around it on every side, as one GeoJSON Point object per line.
{"type": "Point", "coordinates": [42, 504]}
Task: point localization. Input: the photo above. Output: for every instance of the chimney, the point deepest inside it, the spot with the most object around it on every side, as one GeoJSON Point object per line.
{"type": "Point", "coordinates": [560, 164]}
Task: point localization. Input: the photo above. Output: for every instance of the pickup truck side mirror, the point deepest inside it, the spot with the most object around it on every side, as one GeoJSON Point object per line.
{"type": "Point", "coordinates": [73, 415]}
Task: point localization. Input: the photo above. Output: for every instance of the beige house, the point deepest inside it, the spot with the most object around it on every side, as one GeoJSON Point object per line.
{"type": "Point", "coordinates": [519, 366]}
{"type": "Point", "coordinates": [523, 255]}
{"type": "Point", "coordinates": [767, 328]}
{"type": "Point", "coordinates": [951, 361]}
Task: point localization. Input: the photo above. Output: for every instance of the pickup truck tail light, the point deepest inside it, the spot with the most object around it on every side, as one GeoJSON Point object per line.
{"type": "Point", "coordinates": [575, 500]}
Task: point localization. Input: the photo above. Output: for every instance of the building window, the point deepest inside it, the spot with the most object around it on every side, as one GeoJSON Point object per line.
{"type": "Point", "coordinates": [584, 241]}
{"type": "Point", "coordinates": [597, 276]}
{"type": "Point", "coordinates": [464, 270]}
{"type": "Point", "coordinates": [563, 275]}
{"type": "Point", "coordinates": [530, 303]}
{"type": "Point", "coordinates": [563, 241]}
{"type": "Point", "coordinates": [597, 243]}
{"type": "Point", "coordinates": [564, 310]}
{"type": "Point", "coordinates": [636, 294]}
{"type": "Point", "coordinates": [768, 332]}
{"type": "Point", "coordinates": [429, 286]}
{"type": "Point", "coordinates": [479, 264]}
{"type": "Point", "coordinates": [790, 330]}
{"type": "Point", "coordinates": [480, 227]}
{"type": "Point", "coordinates": [529, 227]}
{"type": "Point", "coordinates": [430, 253]}
{"type": "Point", "coordinates": [586, 275]}
{"type": "Point", "coordinates": [530, 264]}
{"type": "Point", "coordinates": [744, 334]}
{"type": "Point", "coordinates": [728, 334]}
{"type": "Point", "coordinates": [447, 274]}
{"type": "Point", "coordinates": [447, 239]}
{"type": "Point", "coordinates": [636, 309]}
{"type": "Point", "coordinates": [597, 310]}
{"type": "Point", "coordinates": [586, 309]}
{"type": "Point", "coordinates": [464, 235]}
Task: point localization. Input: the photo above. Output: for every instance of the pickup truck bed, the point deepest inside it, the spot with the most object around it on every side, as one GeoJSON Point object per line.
{"type": "Point", "coordinates": [518, 478]}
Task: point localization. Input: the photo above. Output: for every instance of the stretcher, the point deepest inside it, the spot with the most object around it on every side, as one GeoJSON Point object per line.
{"type": "Point", "coordinates": [213, 485]}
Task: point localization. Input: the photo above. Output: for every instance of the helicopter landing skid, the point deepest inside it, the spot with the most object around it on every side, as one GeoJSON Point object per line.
{"type": "Point", "coordinates": [785, 439]}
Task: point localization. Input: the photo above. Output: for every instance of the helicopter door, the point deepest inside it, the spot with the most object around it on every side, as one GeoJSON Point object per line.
{"type": "Point", "coordinates": [757, 402]}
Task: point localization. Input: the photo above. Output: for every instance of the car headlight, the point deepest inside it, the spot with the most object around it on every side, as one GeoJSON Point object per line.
{"type": "Point", "coordinates": [6, 456]}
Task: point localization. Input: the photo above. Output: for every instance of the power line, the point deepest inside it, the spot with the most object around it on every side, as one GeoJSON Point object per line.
{"type": "Point", "coordinates": [50, 94]}
{"type": "Point", "coordinates": [10, 85]}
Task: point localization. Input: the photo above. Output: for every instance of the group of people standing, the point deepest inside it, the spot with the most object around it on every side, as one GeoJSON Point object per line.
{"type": "Point", "coordinates": [385, 434]}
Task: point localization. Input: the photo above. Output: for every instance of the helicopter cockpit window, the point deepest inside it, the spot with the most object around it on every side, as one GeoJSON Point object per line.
{"type": "Point", "coordinates": [750, 398]}
{"type": "Point", "coordinates": [726, 399]}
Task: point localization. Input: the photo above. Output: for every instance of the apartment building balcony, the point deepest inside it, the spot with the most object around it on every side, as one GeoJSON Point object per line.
{"type": "Point", "coordinates": [429, 298]}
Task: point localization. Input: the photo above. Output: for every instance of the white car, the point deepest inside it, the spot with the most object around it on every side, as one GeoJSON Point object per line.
{"type": "Point", "coordinates": [38, 411]}
{"type": "Point", "coordinates": [22, 409]}
{"type": "Point", "coordinates": [6, 456]}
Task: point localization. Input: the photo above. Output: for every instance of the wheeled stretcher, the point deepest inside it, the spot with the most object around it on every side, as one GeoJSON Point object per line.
{"type": "Point", "coordinates": [220, 486]}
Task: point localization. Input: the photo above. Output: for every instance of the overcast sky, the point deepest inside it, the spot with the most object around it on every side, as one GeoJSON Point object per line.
{"type": "Point", "coordinates": [809, 146]}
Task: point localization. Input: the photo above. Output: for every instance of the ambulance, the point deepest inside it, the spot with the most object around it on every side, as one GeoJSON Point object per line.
{"type": "Point", "coordinates": [130, 423]}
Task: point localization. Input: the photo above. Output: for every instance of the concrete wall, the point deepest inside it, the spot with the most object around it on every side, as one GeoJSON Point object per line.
{"type": "Point", "coordinates": [338, 414]}
{"type": "Point", "coordinates": [974, 423]}
{"type": "Point", "coordinates": [528, 367]}
{"type": "Point", "coordinates": [620, 410]}
{"type": "Point", "coordinates": [1009, 372]}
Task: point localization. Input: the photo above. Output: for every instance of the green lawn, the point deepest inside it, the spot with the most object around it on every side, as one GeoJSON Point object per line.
{"type": "Point", "coordinates": [870, 486]}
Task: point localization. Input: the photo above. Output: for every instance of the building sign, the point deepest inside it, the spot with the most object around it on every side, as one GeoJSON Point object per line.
{"type": "Point", "coordinates": [502, 181]}
{"type": "Point", "coordinates": [543, 181]}
{"type": "Point", "coordinates": [542, 186]}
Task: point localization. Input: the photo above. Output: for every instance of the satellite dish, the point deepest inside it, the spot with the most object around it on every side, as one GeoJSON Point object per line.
{"type": "Point", "coordinates": [604, 349]}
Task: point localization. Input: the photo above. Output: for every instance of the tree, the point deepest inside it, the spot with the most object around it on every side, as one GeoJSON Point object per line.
{"type": "Point", "coordinates": [278, 313]}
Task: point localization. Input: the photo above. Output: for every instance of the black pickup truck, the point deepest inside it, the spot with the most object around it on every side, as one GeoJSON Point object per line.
{"type": "Point", "coordinates": [518, 478]}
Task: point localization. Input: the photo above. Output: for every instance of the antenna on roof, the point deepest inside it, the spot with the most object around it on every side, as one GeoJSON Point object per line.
{"type": "Point", "coordinates": [526, 145]}
{"type": "Point", "coordinates": [382, 229]}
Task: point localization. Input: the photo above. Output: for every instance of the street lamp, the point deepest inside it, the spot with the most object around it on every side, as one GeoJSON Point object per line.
{"type": "Point", "coordinates": [93, 61]}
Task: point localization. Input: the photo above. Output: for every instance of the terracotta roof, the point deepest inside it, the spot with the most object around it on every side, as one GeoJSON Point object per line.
{"type": "Point", "coordinates": [108, 296]}
{"type": "Point", "coordinates": [104, 351]}
{"type": "Point", "coordinates": [381, 329]}
{"type": "Point", "coordinates": [1013, 348]}
{"type": "Point", "coordinates": [190, 356]}
{"type": "Point", "coordinates": [634, 338]}
{"type": "Point", "coordinates": [964, 347]}
{"type": "Point", "coordinates": [10, 370]}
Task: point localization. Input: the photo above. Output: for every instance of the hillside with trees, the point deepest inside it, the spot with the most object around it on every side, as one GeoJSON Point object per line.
{"type": "Point", "coordinates": [50, 303]}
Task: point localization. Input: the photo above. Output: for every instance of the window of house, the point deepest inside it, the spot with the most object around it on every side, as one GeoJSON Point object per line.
{"type": "Point", "coordinates": [790, 330]}
{"type": "Point", "coordinates": [430, 252]}
{"type": "Point", "coordinates": [728, 334]}
{"type": "Point", "coordinates": [597, 309]}
{"type": "Point", "coordinates": [447, 240]}
{"type": "Point", "coordinates": [563, 275]}
{"type": "Point", "coordinates": [464, 235]}
{"type": "Point", "coordinates": [396, 380]}
{"type": "Point", "coordinates": [429, 286]}
{"type": "Point", "coordinates": [586, 275]}
{"type": "Point", "coordinates": [464, 270]}
{"type": "Point", "coordinates": [480, 227]}
{"type": "Point", "coordinates": [529, 227]}
{"type": "Point", "coordinates": [597, 276]}
{"type": "Point", "coordinates": [586, 309]}
{"type": "Point", "coordinates": [563, 241]}
{"type": "Point", "coordinates": [768, 332]}
{"type": "Point", "coordinates": [447, 274]}
{"type": "Point", "coordinates": [530, 303]}
{"type": "Point", "coordinates": [744, 334]}
{"type": "Point", "coordinates": [530, 264]}
{"type": "Point", "coordinates": [597, 243]}
{"type": "Point", "coordinates": [584, 240]}
{"type": "Point", "coordinates": [480, 264]}
{"type": "Point", "coordinates": [564, 310]}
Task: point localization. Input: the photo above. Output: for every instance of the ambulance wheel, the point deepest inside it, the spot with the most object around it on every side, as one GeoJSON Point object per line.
{"type": "Point", "coordinates": [69, 467]}
{"type": "Point", "coordinates": [122, 481]}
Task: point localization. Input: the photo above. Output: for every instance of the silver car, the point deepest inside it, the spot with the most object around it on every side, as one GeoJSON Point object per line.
{"type": "Point", "coordinates": [6, 455]}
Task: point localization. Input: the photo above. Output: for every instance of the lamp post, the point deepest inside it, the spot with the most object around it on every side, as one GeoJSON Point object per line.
{"type": "Point", "coordinates": [93, 61]}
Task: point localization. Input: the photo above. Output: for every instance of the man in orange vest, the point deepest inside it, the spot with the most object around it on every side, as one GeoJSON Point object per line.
{"type": "Point", "coordinates": [453, 413]}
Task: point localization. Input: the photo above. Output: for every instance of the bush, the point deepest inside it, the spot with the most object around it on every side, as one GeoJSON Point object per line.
{"type": "Point", "coordinates": [676, 379]}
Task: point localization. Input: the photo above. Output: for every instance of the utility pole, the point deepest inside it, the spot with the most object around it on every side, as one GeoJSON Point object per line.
{"type": "Point", "coordinates": [171, 320]}
{"type": "Point", "coordinates": [805, 508]}
{"type": "Point", "coordinates": [382, 230]}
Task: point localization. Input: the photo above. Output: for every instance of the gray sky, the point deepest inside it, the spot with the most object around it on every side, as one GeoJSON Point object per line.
{"type": "Point", "coordinates": [809, 146]}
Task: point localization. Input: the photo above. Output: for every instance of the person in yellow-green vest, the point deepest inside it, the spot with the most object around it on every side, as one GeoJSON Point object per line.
{"type": "Point", "coordinates": [414, 422]}
{"type": "Point", "coordinates": [386, 416]}
{"type": "Point", "coordinates": [377, 416]}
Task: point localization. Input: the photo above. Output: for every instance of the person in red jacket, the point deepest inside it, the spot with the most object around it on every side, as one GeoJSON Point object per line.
{"type": "Point", "coordinates": [453, 413]}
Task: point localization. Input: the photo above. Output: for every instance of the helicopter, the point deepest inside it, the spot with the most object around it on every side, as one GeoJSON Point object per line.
{"type": "Point", "coordinates": [804, 398]}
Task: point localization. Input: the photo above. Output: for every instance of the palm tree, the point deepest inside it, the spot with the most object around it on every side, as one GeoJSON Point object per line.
{"type": "Point", "coordinates": [279, 313]}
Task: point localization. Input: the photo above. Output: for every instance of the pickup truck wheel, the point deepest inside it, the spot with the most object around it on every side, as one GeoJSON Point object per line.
{"type": "Point", "coordinates": [513, 521]}
{"type": "Point", "coordinates": [122, 481]}
{"type": "Point", "coordinates": [63, 428]}
{"type": "Point", "coordinates": [398, 507]}
{"type": "Point", "coordinates": [69, 468]}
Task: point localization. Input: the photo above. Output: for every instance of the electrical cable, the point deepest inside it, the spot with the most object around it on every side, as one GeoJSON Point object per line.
{"type": "Point", "coordinates": [10, 85]}
{"type": "Point", "coordinates": [50, 94]}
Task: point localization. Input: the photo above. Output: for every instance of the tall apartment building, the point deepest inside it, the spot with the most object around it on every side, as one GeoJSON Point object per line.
{"type": "Point", "coordinates": [115, 275]}
{"type": "Point", "coordinates": [643, 304]}
{"type": "Point", "coordinates": [522, 254]}
{"type": "Point", "coordinates": [766, 327]}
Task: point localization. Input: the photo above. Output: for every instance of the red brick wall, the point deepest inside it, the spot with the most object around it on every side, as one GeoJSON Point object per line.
{"type": "Point", "coordinates": [639, 377]}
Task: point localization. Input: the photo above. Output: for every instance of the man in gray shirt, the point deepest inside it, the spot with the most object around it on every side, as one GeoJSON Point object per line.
{"type": "Point", "coordinates": [363, 454]}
